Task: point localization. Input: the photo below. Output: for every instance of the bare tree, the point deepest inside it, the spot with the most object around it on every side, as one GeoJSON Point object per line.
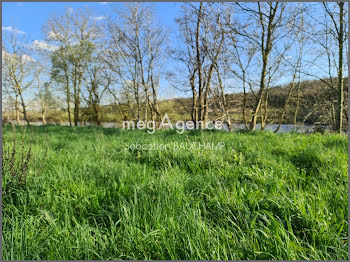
{"type": "Point", "coordinates": [43, 91]}
{"type": "Point", "coordinates": [238, 59]}
{"type": "Point", "coordinates": [330, 29]}
{"type": "Point", "coordinates": [339, 33]}
{"type": "Point", "coordinates": [202, 31]}
{"type": "Point", "coordinates": [97, 81]}
{"type": "Point", "coordinates": [220, 94]}
{"type": "Point", "coordinates": [298, 37]}
{"type": "Point", "coordinates": [267, 22]}
{"type": "Point", "coordinates": [75, 34]}
{"type": "Point", "coordinates": [17, 67]}
{"type": "Point", "coordinates": [136, 46]}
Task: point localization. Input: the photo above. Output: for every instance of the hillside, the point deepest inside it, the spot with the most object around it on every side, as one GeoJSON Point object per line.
{"type": "Point", "coordinates": [315, 97]}
{"type": "Point", "coordinates": [315, 105]}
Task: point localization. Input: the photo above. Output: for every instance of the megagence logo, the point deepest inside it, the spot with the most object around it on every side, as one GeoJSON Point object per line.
{"type": "Point", "coordinates": [180, 126]}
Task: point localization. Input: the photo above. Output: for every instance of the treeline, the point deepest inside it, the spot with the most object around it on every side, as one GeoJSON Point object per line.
{"type": "Point", "coordinates": [228, 58]}
{"type": "Point", "coordinates": [311, 104]}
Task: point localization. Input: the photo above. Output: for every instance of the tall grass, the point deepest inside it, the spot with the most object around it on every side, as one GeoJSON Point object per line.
{"type": "Point", "coordinates": [263, 196]}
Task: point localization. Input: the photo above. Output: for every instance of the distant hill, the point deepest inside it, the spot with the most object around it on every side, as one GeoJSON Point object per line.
{"type": "Point", "coordinates": [315, 96]}
{"type": "Point", "coordinates": [317, 104]}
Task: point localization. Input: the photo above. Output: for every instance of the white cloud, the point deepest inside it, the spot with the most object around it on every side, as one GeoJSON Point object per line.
{"type": "Point", "coordinates": [28, 58]}
{"type": "Point", "coordinates": [11, 29]}
{"type": "Point", "coordinates": [6, 55]}
{"type": "Point", "coordinates": [41, 45]}
{"type": "Point", "coordinates": [98, 18]}
{"type": "Point", "coordinates": [103, 3]}
{"type": "Point", "coordinates": [70, 10]}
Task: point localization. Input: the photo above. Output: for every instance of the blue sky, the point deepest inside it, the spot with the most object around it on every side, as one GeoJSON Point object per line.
{"type": "Point", "coordinates": [30, 17]}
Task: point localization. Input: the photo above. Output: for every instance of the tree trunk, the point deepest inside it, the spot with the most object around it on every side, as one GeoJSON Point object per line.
{"type": "Point", "coordinates": [43, 117]}
{"type": "Point", "coordinates": [266, 46]}
{"type": "Point", "coordinates": [97, 114]}
{"type": "Point", "coordinates": [244, 102]}
{"type": "Point", "coordinates": [68, 109]}
{"type": "Point", "coordinates": [297, 105]}
{"type": "Point", "coordinates": [68, 99]}
{"type": "Point", "coordinates": [199, 67]}
{"type": "Point", "coordinates": [265, 113]}
{"type": "Point", "coordinates": [24, 108]}
{"type": "Point", "coordinates": [286, 104]}
{"type": "Point", "coordinates": [224, 106]}
{"type": "Point", "coordinates": [260, 96]}
{"type": "Point", "coordinates": [194, 110]}
{"type": "Point", "coordinates": [340, 72]}
{"type": "Point", "coordinates": [17, 109]}
{"type": "Point", "coordinates": [146, 104]}
{"type": "Point", "coordinates": [155, 101]}
{"type": "Point", "coordinates": [76, 111]}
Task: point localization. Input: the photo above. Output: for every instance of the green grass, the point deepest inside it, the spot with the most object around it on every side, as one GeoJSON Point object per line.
{"type": "Point", "coordinates": [264, 196]}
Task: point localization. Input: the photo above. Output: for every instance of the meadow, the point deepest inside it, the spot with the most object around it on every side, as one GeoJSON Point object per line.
{"type": "Point", "coordinates": [262, 196]}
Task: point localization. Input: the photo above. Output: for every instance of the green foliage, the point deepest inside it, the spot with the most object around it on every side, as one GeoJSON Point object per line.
{"type": "Point", "coordinates": [264, 196]}
{"type": "Point", "coordinates": [70, 60]}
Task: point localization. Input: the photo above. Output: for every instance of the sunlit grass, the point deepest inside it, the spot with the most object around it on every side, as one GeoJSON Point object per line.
{"type": "Point", "coordinates": [264, 196]}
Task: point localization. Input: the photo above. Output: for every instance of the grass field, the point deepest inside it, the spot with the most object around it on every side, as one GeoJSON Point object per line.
{"type": "Point", "coordinates": [263, 196]}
